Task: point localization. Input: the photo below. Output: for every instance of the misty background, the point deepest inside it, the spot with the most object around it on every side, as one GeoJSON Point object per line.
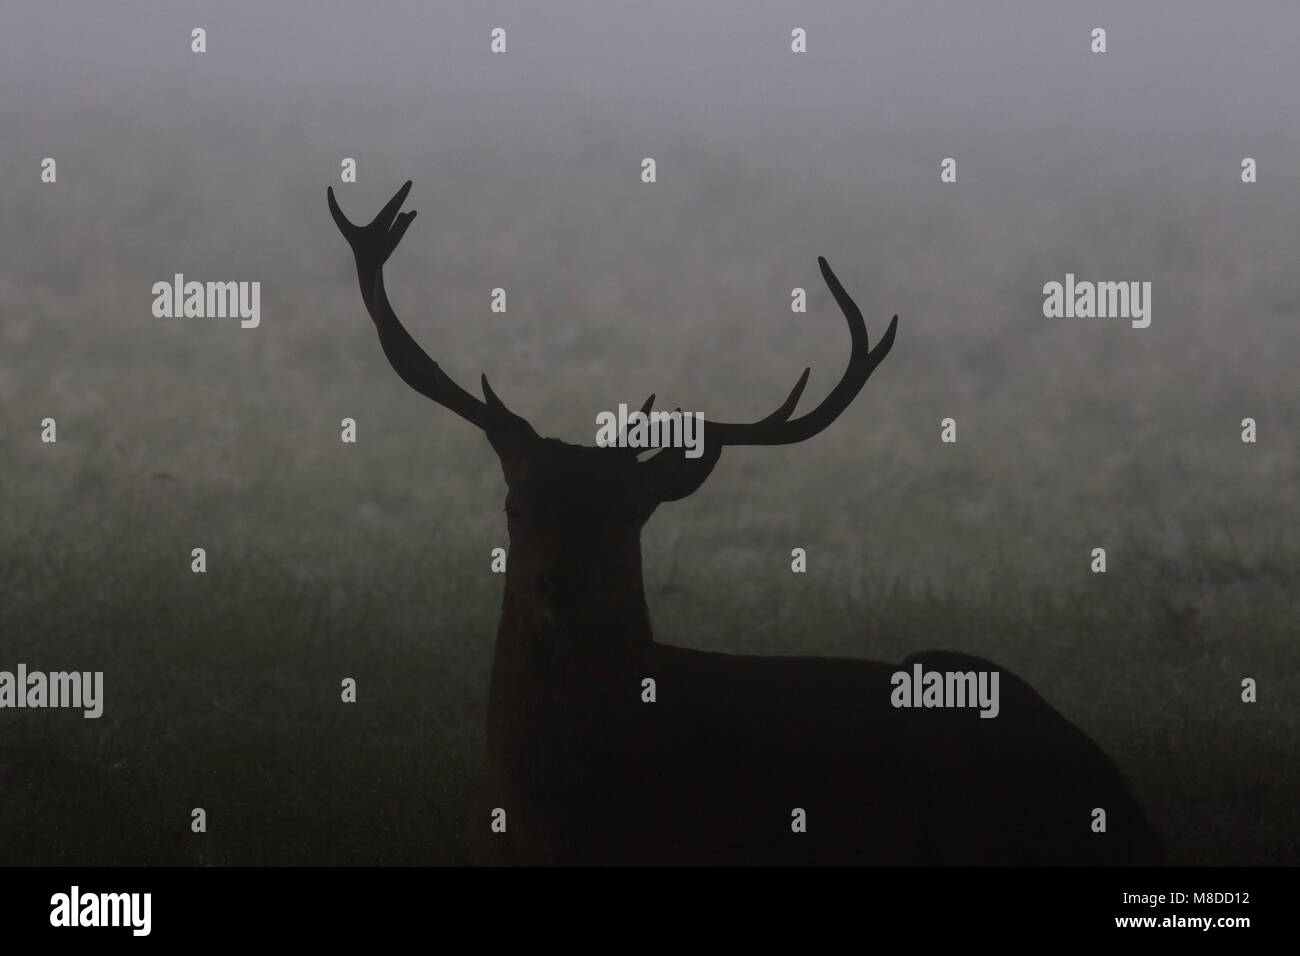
{"type": "Point", "coordinates": [328, 560]}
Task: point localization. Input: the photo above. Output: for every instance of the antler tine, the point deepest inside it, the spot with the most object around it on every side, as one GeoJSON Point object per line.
{"type": "Point", "coordinates": [670, 475]}
{"type": "Point", "coordinates": [778, 428]}
{"type": "Point", "coordinates": [371, 246]}
{"type": "Point", "coordinates": [645, 410]}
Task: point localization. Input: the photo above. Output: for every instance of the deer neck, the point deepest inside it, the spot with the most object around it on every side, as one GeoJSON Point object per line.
{"type": "Point", "coordinates": [540, 674]}
{"type": "Point", "coordinates": [523, 643]}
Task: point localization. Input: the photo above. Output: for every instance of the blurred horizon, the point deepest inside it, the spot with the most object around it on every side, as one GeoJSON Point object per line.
{"type": "Point", "coordinates": [373, 559]}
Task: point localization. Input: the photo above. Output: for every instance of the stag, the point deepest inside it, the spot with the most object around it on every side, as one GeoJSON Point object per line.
{"type": "Point", "coordinates": [738, 759]}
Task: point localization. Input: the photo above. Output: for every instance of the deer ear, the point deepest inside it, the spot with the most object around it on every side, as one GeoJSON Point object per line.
{"type": "Point", "coordinates": [671, 476]}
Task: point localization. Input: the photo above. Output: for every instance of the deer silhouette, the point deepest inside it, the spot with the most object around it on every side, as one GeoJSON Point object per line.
{"type": "Point", "coordinates": [731, 759]}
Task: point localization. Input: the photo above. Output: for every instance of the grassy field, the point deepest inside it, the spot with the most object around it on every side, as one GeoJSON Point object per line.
{"type": "Point", "coordinates": [371, 561]}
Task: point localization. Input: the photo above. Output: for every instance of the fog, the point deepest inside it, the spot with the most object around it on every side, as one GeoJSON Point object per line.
{"type": "Point", "coordinates": [372, 559]}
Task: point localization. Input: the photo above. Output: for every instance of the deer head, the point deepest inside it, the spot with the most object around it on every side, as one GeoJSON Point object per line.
{"type": "Point", "coordinates": [575, 512]}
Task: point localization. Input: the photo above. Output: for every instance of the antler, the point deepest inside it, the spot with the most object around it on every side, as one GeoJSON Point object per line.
{"type": "Point", "coordinates": [372, 245]}
{"type": "Point", "coordinates": [671, 475]}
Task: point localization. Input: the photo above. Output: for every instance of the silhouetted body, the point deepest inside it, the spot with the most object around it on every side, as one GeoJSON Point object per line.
{"type": "Point", "coordinates": [715, 769]}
